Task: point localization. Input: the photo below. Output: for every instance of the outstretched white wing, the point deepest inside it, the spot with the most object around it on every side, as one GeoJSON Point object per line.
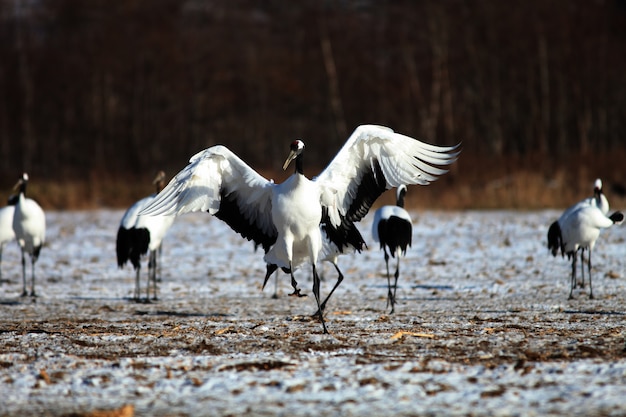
{"type": "Point", "coordinates": [375, 159]}
{"type": "Point", "coordinates": [218, 181]}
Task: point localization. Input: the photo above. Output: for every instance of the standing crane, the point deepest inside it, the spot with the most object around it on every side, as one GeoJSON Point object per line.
{"type": "Point", "coordinates": [29, 225]}
{"type": "Point", "coordinates": [138, 235]}
{"type": "Point", "coordinates": [580, 229]}
{"type": "Point", "coordinates": [393, 228]}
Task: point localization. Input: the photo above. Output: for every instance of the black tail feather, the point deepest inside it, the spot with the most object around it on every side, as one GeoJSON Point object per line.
{"type": "Point", "coordinates": [130, 245]}
{"type": "Point", "coordinates": [555, 239]}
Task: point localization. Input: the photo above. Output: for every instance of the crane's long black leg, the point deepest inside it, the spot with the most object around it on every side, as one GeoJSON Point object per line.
{"type": "Point", "coordinates": [33, 259]}
{"type": "Point", "coordinates": [269, 270]}
{"type": "Point", "coordinates": [152, 268]}
{"type": "Point", "coordinates": [0, 265]}
{"type": "Point", "coordinates": [159, 272]}
{"type": "Point", "coordinates": [24, 291]}
{"type": "Point", "coordinates": [589, 273]}
{"type": "Point", "coordinates": [389, 293]}
{"type": "Point", "coordinates": [395, 285]}
{"type": "Point", "coordinates": [320, 311]}
{"type": "Point", "coordinates": [137, 295]}
{"type": "Point", "coordinates": [294, 284]}
{"type": "Point", "coordinates": [154, 280]}
{"type": "Point", "coordinates": [573, 281]}
{"type": "Point", "coordinates": [316, 292]}
{"type": "Point", "coordinates": [157, 269]}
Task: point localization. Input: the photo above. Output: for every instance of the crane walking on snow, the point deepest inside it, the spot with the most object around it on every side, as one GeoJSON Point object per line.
{"type": "Point", "coordinates": [580, 229]}
{"type": "Point", "coordinates": [555, 239]}
{"type": "Point", "coordinates": [392, 227]}
{"type": "Point", "coordinates": [286, 218]}
{"type": "Point", "coordinates": [138, 235]}
{"type": "Point", "coordinates": [29, 225]}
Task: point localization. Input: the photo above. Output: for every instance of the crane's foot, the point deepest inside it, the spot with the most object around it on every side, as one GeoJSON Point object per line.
{"type": "Point", "coordinates": [296, 293]}
{"type": "Point", "coordinates": [324, 325]}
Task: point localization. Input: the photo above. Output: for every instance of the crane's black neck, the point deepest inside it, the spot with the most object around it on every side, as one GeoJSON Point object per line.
{"type": "Point", "coordinates": [597, 192]}
{"type": "Point", "coordinates": [400, 199]}
{"type": "Point", "coordinates": [23, 185]}
{"type": "Point", "coordinates": [299, 169]}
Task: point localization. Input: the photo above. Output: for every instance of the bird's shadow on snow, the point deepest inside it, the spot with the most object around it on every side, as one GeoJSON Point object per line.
{"type": "Point", "coordinates": [179, 314]}
{"type": "Point", "coordinates": [596, 312]}
{"type": "Point", "coordinates": [12, 301]}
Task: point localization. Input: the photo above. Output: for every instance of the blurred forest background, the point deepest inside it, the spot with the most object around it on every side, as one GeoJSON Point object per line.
{"type": "Point", "coordinates": [98, 95]}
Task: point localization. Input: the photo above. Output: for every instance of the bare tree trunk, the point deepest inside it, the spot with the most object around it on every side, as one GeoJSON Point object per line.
{"type": "Point", "coordinates": [414, 84]}
{"type": "Point", "coordinates": [544, 88]}
{"type": "Point", "coordinates": [333, 83]}
{"type": "Point", "coordinates": [585, 122]}
{"type": "Point", "coordinates": [26, 86]}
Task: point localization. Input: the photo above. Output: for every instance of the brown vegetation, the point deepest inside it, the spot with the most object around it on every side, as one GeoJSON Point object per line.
{"type": "Point", "coordinates": [99, 95]}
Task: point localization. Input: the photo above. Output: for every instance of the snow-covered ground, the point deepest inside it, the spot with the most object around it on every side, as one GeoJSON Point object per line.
{"type": "Point", "coordinates": [483, 326]}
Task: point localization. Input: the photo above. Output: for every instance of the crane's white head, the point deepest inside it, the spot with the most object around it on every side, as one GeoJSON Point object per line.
{"type": "Point", "coordinates": [296, 148]}
{"type": "Point", "coordinates": [597, 186]}
{"type": "Point", "coordinates": [21, 182]}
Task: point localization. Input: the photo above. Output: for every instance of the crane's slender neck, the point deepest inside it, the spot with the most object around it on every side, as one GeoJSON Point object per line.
{"type": "Point", "coordinates": [400, 200]}
{"type": "Point", "coordinates": [23, 187]}
{"type": "Point", "coordinates": [299, 169]}
{"type": "Point", "coordinates": [597, 192]}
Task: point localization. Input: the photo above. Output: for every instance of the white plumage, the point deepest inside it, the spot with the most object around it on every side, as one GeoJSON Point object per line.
{"type": "Point", "coordinates": [393, 229]}
{"type": "Point", "coordinates": [138, 235]}
{"type": "Point", "coordinates": [329, 253]}
{"type": "Point", "coordinates": [29, 225]}
{"type": "Point", "coordinates": [580, 229]}
{"type": "Point", "coordinates": [555, 240]}
{"type": "Point", "coordinates": [285, 218]}
{"type": "Point", "coordinates": [6, 229]}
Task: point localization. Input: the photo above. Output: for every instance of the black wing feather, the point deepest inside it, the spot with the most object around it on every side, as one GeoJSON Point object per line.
{"type": "Point", "coordinates": [230, 213]}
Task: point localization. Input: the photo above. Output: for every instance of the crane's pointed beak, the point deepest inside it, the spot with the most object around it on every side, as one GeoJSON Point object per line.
{"type": "Point", "coordinates": [18, 184]}
{"type": "Point", "coordinates": [291, 157]}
